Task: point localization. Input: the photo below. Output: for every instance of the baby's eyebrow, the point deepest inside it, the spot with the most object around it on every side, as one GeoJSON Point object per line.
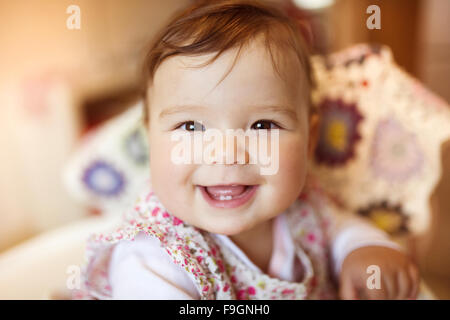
{"type": "Point", "coordinates": [181, 109]}
{"type": "Point", "coordinates": [276, 109]}
{"type": "Point", "coordinates": [256, 109]}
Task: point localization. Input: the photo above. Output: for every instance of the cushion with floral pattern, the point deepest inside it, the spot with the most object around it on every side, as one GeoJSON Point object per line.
{"type": "Point", "coordinates": [380, 137]}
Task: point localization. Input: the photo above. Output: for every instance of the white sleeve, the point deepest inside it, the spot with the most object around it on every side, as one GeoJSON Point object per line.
{"type": "Point", "coordinates": [142, 269]}
{"type": "Point", "coordinates": [349, 232]}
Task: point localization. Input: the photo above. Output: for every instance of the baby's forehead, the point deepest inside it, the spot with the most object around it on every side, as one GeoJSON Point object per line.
{"type": "Point", "coordinates": [273, 57]}
{"type": "Point", "coordinates": [250, 72]}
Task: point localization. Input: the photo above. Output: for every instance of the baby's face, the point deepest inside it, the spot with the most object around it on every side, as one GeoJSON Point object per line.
{"type": "Point", "coordinates": [227, 198]}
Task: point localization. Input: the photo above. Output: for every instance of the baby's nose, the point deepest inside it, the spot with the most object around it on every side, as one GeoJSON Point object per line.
{"type": "Point", "coordinates": [232, 149]}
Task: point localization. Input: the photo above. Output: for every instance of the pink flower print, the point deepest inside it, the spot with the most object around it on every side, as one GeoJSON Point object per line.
{"type": "Point", "coordinates": [166, 214]}
{"type": "Point", "coordinates": [220, 265]}
{"type": "Point", "coordinates": [199, 259]}
{"type": "Point", "coordinates": [226, 287]}
{"type": "Point", "coordinates": [155, 211]}
{"type": "Point", "coordinates": [251, 291]}
{"type": "Point", "coordinates": [233, 279]}
{"type": "Point", "coordinates": [311, 237]}
{"type": "Point", "coordinates": [242, 294]}
{"type": "Point", "coordinates": [213, 251]}
{"type": "Point", "coordinates": [177, 221]}
{"type": "Point", "coordinates": [205, 288]}
{"type": "Point", "coordinates": [287, 291]}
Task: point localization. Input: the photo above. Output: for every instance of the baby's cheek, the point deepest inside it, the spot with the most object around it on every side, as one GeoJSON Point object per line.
{"type": "Point", "coordinates": [165, 174]}
{"type": "Point", "coordinates": [293, 167]}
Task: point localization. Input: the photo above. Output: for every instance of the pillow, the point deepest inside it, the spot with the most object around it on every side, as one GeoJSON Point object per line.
{"type": "Point", "coordinates": [110, 165]}
{"type": "Point", "coordinates": [378, 152]}
{"type": "Point", "coordinates": [380, 137]}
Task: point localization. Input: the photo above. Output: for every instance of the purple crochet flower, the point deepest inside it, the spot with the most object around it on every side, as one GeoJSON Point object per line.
{"type": "Point", "coordinates": [338, 132]}
{"type": "Point", "coordinates": [395, 154]}
{"type": "Point", "coordinates": [102, 179]}
{"type": "Point", "coordinates": [136, 148]}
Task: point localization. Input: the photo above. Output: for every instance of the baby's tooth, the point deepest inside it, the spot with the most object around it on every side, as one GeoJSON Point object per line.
{"type": "Point", "coordinates": [222, 197]}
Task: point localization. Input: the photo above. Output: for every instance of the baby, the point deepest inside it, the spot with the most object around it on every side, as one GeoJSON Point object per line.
{"type": "Point", "coordinates": [216, 229]}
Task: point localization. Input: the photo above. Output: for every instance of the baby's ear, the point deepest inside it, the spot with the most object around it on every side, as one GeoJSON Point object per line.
{"type": "Point", "coordinates": [314, 124]}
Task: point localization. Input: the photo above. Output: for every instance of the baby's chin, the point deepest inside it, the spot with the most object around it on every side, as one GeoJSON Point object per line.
{"type": "Point", "coordinates": [229, 228]}
{"type": "Point", "coordinates": [231, 222]}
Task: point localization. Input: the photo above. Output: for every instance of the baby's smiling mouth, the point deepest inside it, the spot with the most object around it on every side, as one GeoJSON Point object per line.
{"type": "Point", "coordinates": [228, 196]}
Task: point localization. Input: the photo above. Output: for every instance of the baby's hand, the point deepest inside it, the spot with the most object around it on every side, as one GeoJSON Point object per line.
{"type": "Point", "coordinates": [399, 277]}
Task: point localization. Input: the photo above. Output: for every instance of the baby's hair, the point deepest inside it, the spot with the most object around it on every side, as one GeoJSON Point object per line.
{"type": "Point", "coordinates": [214, 26]}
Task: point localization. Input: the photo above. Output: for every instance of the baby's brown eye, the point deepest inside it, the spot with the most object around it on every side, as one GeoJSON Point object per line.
{"type": "Point", "coordinates": [264, 124]}
{"type": "Point", "coordinates": [192, 126]}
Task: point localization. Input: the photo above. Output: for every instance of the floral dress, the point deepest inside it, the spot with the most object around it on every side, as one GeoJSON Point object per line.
{"type": "Point", "coordinates": [216, 271]}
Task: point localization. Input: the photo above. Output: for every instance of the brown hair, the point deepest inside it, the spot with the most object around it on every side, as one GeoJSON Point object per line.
{"type": "Point", "coordinates": [214, 26]}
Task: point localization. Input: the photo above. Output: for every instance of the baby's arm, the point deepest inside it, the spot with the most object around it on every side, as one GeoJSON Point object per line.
{"type": "Point", "coordinates": [348, 232]}
{"type": "Point", "coordinates": [141, 269]}
{"type": "Point", "coordinates": [356, 245]}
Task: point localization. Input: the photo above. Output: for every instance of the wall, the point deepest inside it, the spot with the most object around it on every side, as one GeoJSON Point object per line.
{"type": "Point", "coordinates": [46, 72]}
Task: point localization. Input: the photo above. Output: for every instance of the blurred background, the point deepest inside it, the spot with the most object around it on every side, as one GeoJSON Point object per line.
{"type": "Point", "coordinates": [58, 84]}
